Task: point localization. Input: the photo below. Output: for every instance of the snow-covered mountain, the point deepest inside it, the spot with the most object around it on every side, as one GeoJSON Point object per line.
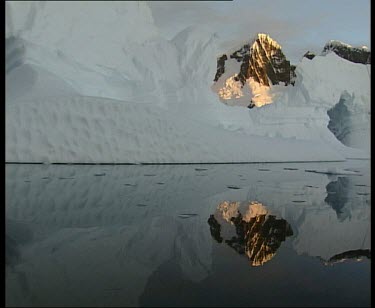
{"type": "Point", "coordinates": [348, 52]}
{"type": "Point", "coordinates": [79, 90]}
{"type": "Point", "coordinates": [334, 83]}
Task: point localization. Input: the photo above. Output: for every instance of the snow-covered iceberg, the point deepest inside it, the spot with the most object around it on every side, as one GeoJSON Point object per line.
{"type": "Point", "coordinates": [97, 83]}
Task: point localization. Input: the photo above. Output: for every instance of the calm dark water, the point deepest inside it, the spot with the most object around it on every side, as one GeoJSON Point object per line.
{"type": "Point", "coordinates": [204, 235]}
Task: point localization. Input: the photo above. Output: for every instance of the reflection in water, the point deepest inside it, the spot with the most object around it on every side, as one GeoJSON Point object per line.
{"type": "Point", "coordinates": [16, 234]}
{"type": "Point", "coordinates": [125, 240]}
{"type": "Point", "coordinates": [257, 233]}
{"type": "Point", "coordinates": [337, 196]}
{"type": "Point", "coordinates": [11, 250]}
{"type": "Point", "coordinates": [357, 254]}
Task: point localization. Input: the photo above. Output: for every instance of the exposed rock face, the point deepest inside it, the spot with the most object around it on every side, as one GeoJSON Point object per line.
{"type": "Point", "coordinates": [257, 234]}
{"type": "Point", "coordinates": [245, 76]}
{"type": "Point", "coordinates": [263, 60]}
{"type": "Point", "coordinates": [352, 54]}
{"type": "Point", "coordinates": [292, 74]}
{"type": "Point", "coordinates": [220, 66]}
{"type": "Point", "coordinates": [309, 55]}
{"type": "Point", "coordinates": [267, 63]}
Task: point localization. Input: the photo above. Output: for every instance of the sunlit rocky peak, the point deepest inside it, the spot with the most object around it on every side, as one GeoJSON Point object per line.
{"type": "Point", "coordinates": [263, 37]}
{"type": "Point", "coordinates": [246, 76]}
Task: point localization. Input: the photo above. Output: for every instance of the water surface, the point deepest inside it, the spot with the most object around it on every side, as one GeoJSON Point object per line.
{"type": "Point", "coordinates": [188, 235]}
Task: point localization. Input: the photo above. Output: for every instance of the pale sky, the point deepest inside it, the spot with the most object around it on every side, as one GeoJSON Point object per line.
{"type": "Point", "coordinates": [297, 25]}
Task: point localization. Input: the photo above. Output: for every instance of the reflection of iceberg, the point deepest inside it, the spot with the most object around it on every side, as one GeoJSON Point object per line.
{"type": "Point", "coordinates": [11, 250]}
{"type": "Point", "coordinates": [322, 235]}
{"type": "Point", "coordinates": [90, 239]}
{"type": "Point", "coordinates": [255, 232]}
{"type": "Point", "coordinates": [337, 196]}
{"type": "Point", "coordinates": [342, 223]}
{"type": "Point", "coordinates": [16, 234]}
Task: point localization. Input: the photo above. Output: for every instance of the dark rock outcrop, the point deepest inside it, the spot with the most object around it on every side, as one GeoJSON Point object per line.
{"type": "Point", "coordinates": [347, 52]}
{"type": "Point", "coordinates": [293, 74]}
{"type": "Point", "coordinates": [220, 66]}
{"type": "Point", "coordinates": [309, 55]}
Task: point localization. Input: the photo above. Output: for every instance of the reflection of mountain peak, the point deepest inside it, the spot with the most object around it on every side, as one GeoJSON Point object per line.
{"type": "Point", "coordinates": [257, 233]}
{"type": "Point", "coordinates": [358, 254]}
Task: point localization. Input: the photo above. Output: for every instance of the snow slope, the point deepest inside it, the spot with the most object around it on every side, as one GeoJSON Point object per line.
{"type": "Point", "coordinates": [340, 79]}
{"type": "Point", "coordinates": [78, 91]}
{"type": "Point", "coordinates": [328, 91]}
{"type": "Point", "coordinates": [96, 130]}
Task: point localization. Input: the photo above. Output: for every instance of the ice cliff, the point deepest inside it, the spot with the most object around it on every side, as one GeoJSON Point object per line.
{"type": "Point", "coordinates": [97, 83]}
{"type": "Point", "coordinates": [330, 90]}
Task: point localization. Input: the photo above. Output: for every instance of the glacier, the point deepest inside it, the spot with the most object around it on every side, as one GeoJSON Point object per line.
{"type": "Point", "coordinates": [98, 83]}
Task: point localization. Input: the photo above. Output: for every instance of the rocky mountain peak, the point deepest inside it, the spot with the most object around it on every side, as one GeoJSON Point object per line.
{"type": "Point", "coordinates": [245, 75]}
{"type": "Point", "coordinates": [309, 55]}
{"type": "Point", "coordinates": [348, 52]}
{"type": "Point", "coordinates": [264, 41]}
{"type": "Point", "coordinates": [268, 64]}
{"type": "Point", "coordinates": [261, 59]}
